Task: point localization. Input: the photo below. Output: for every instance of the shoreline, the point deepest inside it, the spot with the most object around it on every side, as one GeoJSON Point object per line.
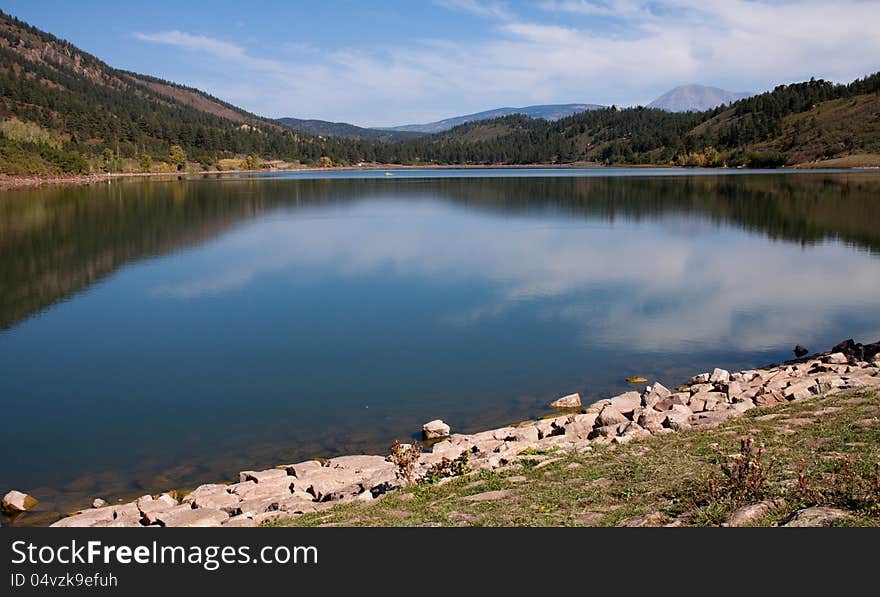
{"type": "Point", "coordinates": [288, 491]}
{"type": "Point", "coordinates": [16, 182]}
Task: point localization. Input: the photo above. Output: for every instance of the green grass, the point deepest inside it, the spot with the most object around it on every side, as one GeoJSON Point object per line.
{"type": "Point", "coordinates": [668, 474]}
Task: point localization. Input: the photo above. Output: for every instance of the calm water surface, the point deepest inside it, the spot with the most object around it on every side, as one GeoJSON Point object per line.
{"type": "Point", "coordinates": [159, 334]}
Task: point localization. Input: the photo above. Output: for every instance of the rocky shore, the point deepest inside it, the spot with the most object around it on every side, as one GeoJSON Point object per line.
{"type": "Point", "coordinates": [292, 490]}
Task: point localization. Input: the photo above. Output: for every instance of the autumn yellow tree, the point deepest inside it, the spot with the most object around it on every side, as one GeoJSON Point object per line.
{"type": "Point", "coordinates": [177, 156]}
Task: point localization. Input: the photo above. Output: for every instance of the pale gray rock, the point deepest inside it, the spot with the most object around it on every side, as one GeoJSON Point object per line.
{"type": "Point", "coordinates": [837, 358]}
{"type": "Point", "coordinates": [301, 469]}
{"type": "Point", "coordinates": [569, 401]}
{"type": "Point", "coordinates": [262, 476]}
{"type": "Point", "coordinates": [699, 378]}
{"type": "Point", "coordinates": [610, 416]}
{"type": "Point", "coordinates": [241, 520]}
{"type": "Point", "coordinates": [200, 517]}
{"type": "Point", "coordinates": [661, 390]}
{"type": "Point", "coordinates": [719, 376]}
{"type": "Point", "coordinates": [525, 434]}
{"type": "Point", "coordinates": [627, 402]}
{"type": "Point", "coordinates": [711, 418]}
{"type": "Point", "coordinates": [651, 420]}
{"type": "Point", "coordinates": [701, 387]}
{"type": "Point", "coordinates": [800, 390]}
{"type": "Point", "coordinates": [218, 501]}
{"type": "Point", "coordinates": [680, 399]}
{"type": "Point", "coordinates": [747, 515]}
{"type": "Point", "coordinates": [733, 389]}
{"type": "Point", "coordinates": [151, 517]}
{"type": "Point", "coordinates": [548, 427]}
{"type": "Point", "coordinates": [579, 429]}
{"type": "Point", "coordinates": [435, 429]}
{"type": "Point", "coordinates": [818, 516]}
{"type": "Point", "coordinates": [677, 413]}
{"type": "Point", "coordinates": [17, 501]}
{"type": "Point", "coordinates": [86, 518]}
{"type": "Point", "coordinates": [743, 406]}
{"type": "Point", "coordinates": [204, 490]}
{"type": "Point", "coordinates": [597, 406]}
{"type": "Point", "coordinates": [99, 503]}
{"type": "Point", "coordinates": [150, 508]}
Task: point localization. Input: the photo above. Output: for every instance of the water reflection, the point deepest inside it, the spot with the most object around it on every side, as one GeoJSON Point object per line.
{"type": "Point", "coordinates": [164, 334]}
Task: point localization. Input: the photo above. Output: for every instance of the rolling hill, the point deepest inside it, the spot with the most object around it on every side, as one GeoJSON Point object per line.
{"type": "Point", "coordinates": [696, 98]}
{"type": "Point", "coordinates": [64, 110]}
{"type": "Point", "coordinates": [547, 112]}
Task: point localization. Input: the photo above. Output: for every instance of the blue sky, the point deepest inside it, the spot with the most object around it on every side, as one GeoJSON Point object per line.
{"type": "Point", "coordinates": [382, 63]}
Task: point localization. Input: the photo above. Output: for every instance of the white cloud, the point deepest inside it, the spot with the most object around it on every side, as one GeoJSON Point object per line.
{"type": "Point", "coordinates": [648, 48]}
{"type": "Point", "coordinates": [495, 10]}
{"type": "Point", "coordinates": [213, 47]}
{"type": "Point", "coordinates": [710, 283]}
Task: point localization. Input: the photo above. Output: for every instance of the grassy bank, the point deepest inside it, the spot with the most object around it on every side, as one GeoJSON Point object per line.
{"type": "Point", "coordinates": [816, 452]}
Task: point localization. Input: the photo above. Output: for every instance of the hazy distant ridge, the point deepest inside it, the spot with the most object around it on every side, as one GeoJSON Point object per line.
{"type": "Point", "coordinates": [547, 112]}
{"type": "Point", "coordinates": [696, 98]}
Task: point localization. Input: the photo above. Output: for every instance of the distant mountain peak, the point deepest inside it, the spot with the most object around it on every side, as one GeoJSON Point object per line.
{"type": "Point", "coordinates": [696, 98]}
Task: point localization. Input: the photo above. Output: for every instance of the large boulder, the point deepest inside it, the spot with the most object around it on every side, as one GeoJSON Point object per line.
{"type": "Point", "coordinates": [769, 398]}
{"type": "Point", "coordinates": [262, 476]}
{"type": "Point", "coordinates": [187, 517]}
{"type": "Point", "coordinates": [800, 390]}
{"type": "Point", "coordinates": [670, 401]}
{"type": "Point", "coordinates": [86, 518]}
{"type": "Point", "coordinates": [748, 515]}
{"type": "Point", "coordinates": [719, 376]}
{"type": "Point", "coordinates": [569, 401]}
{"type": "Point", "coordinates": [16, 501]}
{"type": "Point", "coordinates": [627, 402]}
{"type": "Point", "coordinates": [151, 508]}
{"type": "Point", "coordinates": [610, 416]}
{"type": "Point", "coordinates": [651, 420]}
{"type": "Point", "coordinates": [218, 501]}
{"type": "Point", "coordinates": [817, 517]}
{"type": "Point", "coordinates": [435, 429]}
{"type": "Point", "coordinates": [301, 469]}
{"type": "Point", "coordinates": [554, 426]}
{"type": "Point", "coordinates": [699, 378]}
{"type": "Point", "coordinates": [677, 417]}
{"type": "Point", "coordinates": [705, 401]}
{"type": "Point", "coordinates": [202, 490]}
{"type": "Point", "coordinates": [837, 358]}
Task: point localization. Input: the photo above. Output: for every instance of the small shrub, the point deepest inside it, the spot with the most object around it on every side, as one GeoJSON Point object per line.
{"type": "Point", "coordinates": [744, 477]}
{"type": "Point", "coordinates": [853, 486]}
{"type": "Point", "coordinates": [447, 468]}
{"type": "Point", "coordinates": [406, 458]}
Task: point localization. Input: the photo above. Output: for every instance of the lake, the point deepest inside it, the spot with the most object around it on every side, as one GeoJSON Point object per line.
{"type": "Point", "coordinates": [158, 334]}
